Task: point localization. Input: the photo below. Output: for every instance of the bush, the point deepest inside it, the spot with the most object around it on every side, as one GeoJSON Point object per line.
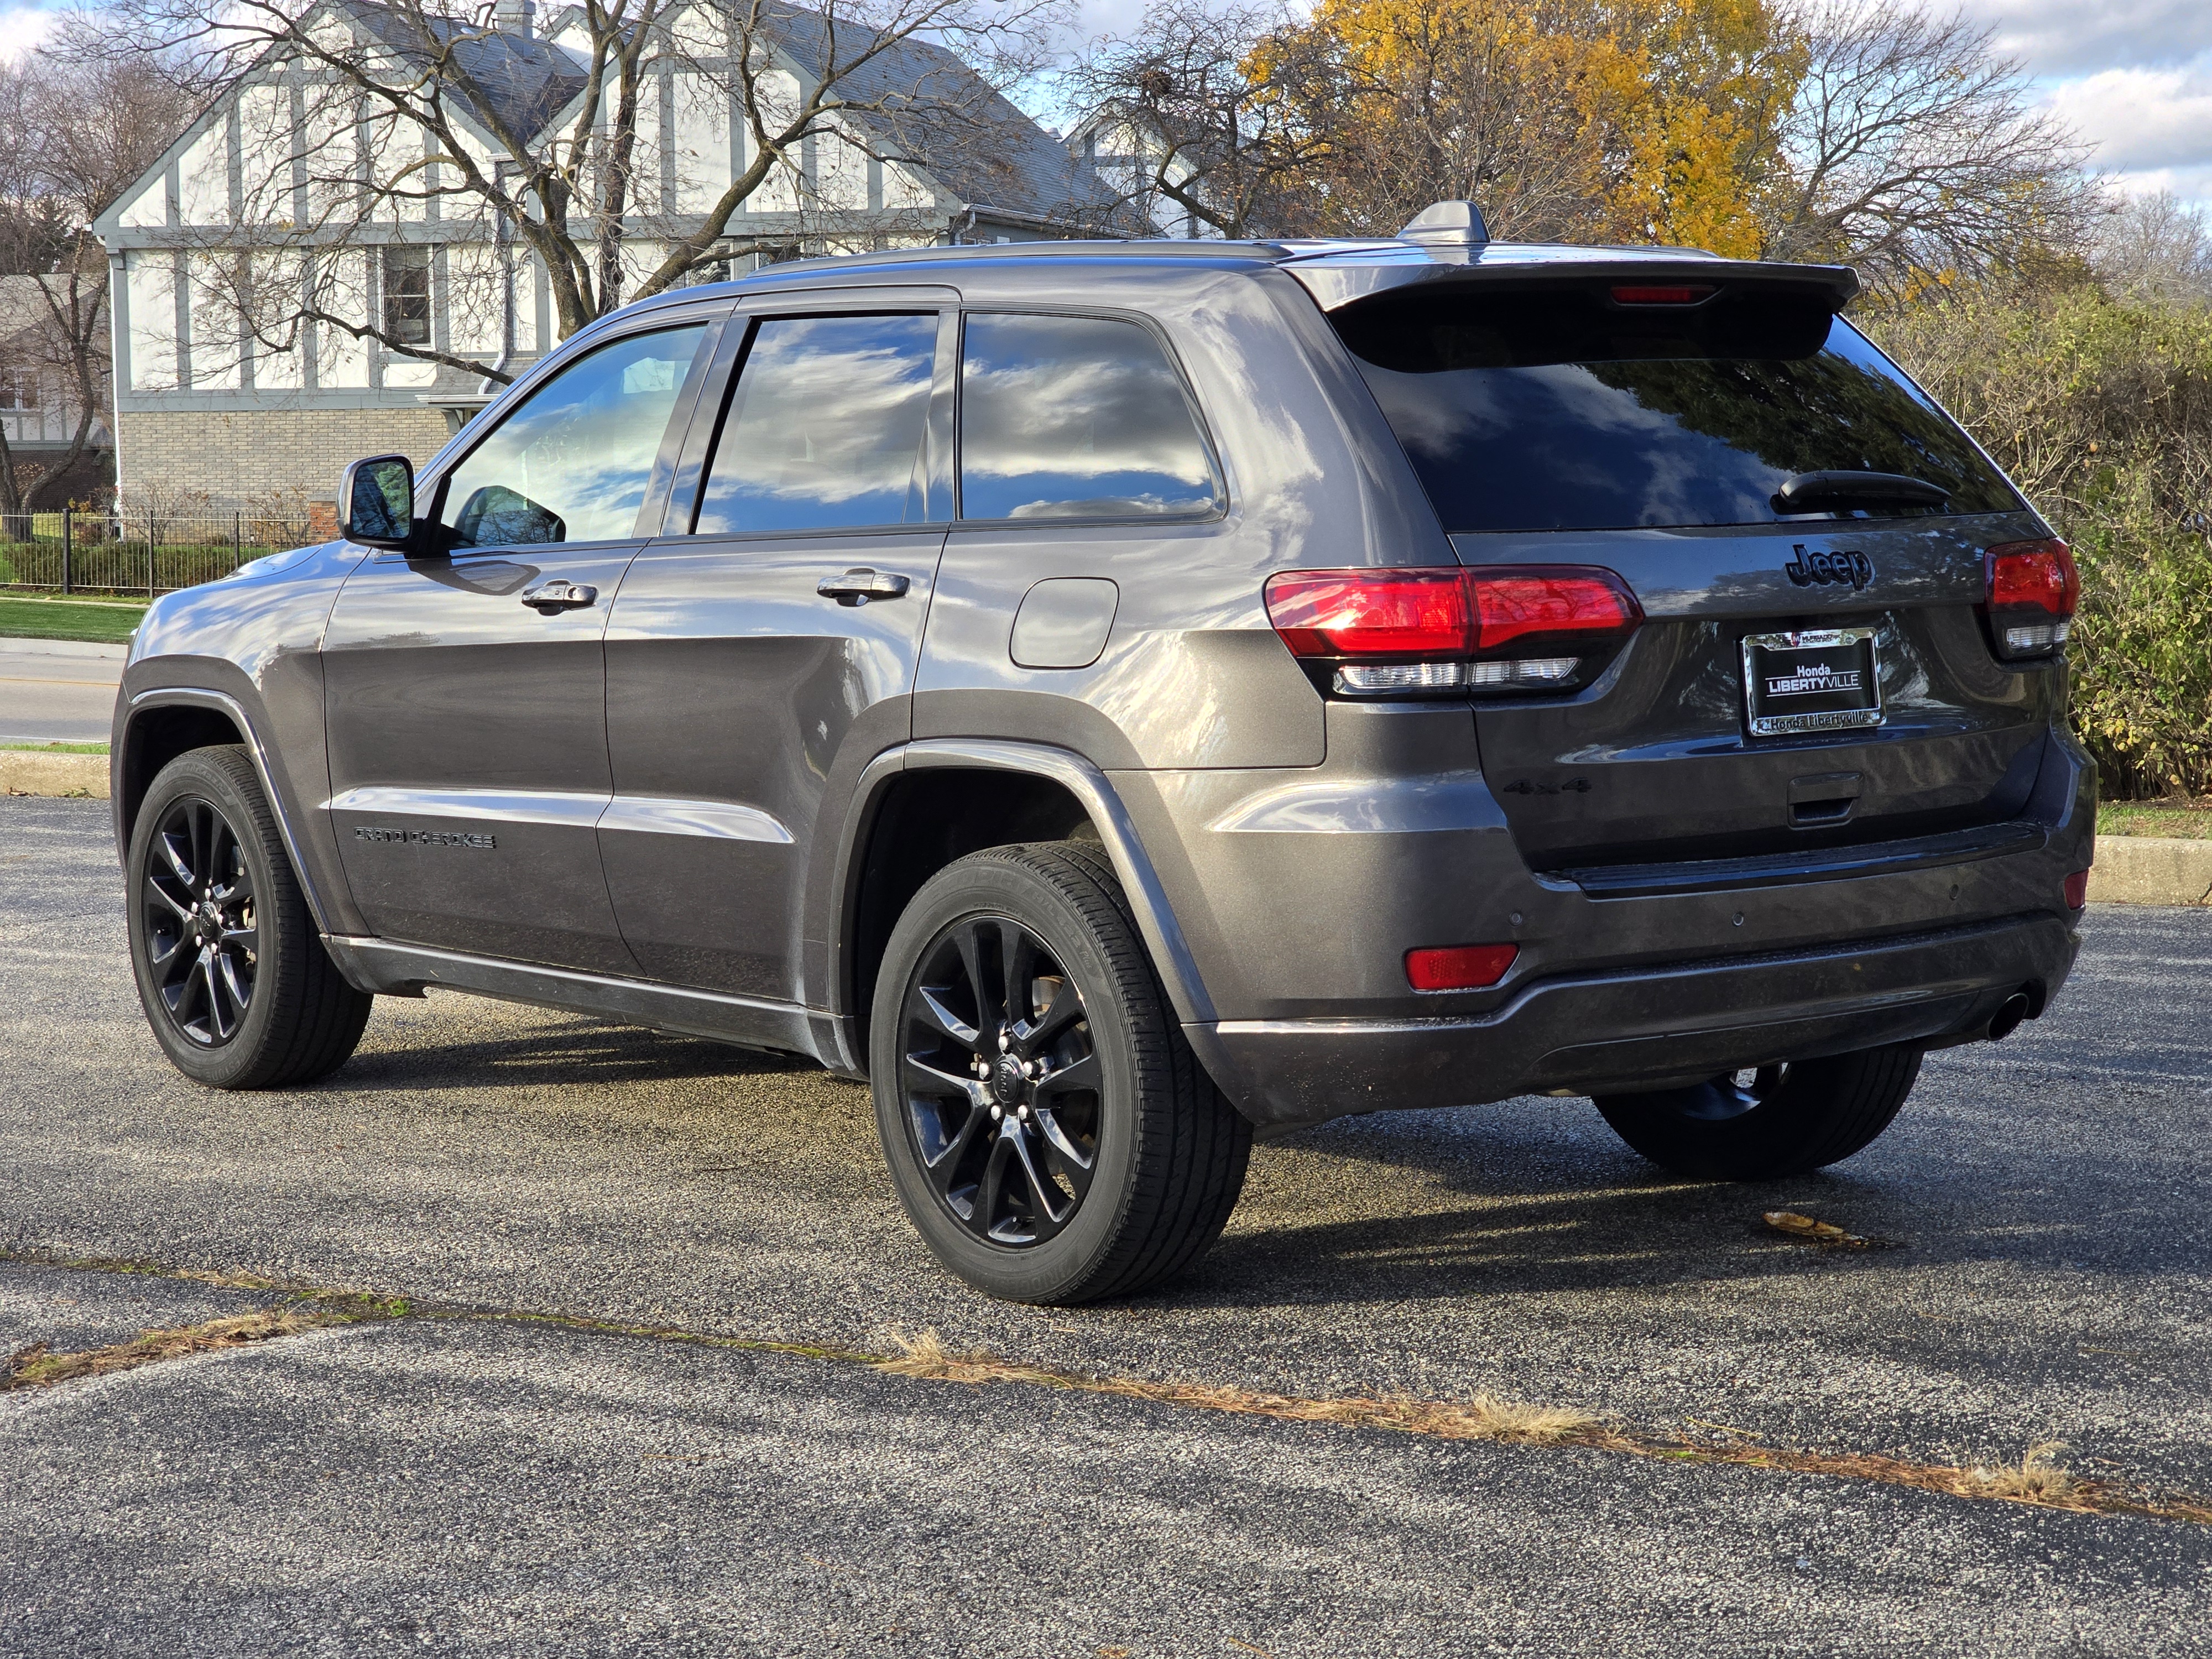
{"type": "Point", "coordinates": [2102, 413]}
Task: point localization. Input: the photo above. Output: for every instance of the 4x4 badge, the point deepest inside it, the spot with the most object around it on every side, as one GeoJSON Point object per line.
{"type": "Point", "coordinates": [1806, 569]}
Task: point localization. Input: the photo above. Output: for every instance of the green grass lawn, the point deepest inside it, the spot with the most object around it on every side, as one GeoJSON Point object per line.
{"type": "Point", "coordinates": [107, 622]}
{"type": "Point", "coordinates": [2192, 823]}
{"type": "Point", "coordinates": [54, 748]}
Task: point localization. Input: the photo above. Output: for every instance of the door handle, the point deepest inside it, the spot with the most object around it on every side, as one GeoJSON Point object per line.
{"type": "Point", "coordinates": [858, 586]}
{"type": "Point", "coordinates": [561, 594]}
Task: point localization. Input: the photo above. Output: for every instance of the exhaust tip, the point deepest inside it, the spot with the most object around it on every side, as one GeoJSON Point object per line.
{"type": "Point", "coordinates": [2008, 1017]}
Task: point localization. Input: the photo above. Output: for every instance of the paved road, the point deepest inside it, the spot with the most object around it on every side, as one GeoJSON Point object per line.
{"type": "Point", "coordinates": [58, 691]}
{"type": "Point", "coordinates": [474, 1486]}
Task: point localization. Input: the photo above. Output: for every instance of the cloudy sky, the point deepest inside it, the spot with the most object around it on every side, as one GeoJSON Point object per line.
{"type": "Point", "coordinates": [2133, 77]}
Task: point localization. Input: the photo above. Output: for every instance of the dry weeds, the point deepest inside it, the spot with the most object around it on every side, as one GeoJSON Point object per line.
{"type": "Point", "coordinates": [2037, 1478]}
{"type": "Point", "coordinates": [36, 1367]}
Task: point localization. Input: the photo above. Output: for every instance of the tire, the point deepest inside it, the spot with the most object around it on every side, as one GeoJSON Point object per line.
{"type": "Point", "coordinates": [1788, 1118]}
{"type": "Point", "coordinates": [1093, 1068]}
{"type": "Point", "coordinates": [231, 970]}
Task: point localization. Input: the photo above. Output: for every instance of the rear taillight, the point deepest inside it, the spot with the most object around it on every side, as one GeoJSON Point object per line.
{"type": "Point", "coordinates": [2033, 589]}
{"type": "Point", "coordinates": [2077, 890]}
{"type": "Point", "coordinates": [1400, 632]}
{"type": "Point", "coordinates": [1671, 293]}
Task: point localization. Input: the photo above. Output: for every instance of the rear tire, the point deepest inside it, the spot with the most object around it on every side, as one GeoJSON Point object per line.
{"type": "Point", "coordinates": [231, 968]}
{"type": "Point", "coordinates": [1054, 1140]}
{"type": "Point", "coordinates": [1784, 1120]}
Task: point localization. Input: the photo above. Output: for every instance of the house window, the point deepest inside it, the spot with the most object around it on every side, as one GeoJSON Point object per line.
{"type": "Point", "coordinates": [19, 388]}
{"type": "Point", "coordinates": [407, 296]}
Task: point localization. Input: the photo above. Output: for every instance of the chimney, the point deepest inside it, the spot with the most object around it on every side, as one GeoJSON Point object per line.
{"type": "Point", "coordinates": [513, 17]}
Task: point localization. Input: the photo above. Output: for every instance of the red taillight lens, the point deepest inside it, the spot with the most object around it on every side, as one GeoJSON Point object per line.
{"type": "Point", "coordinates": [1384, 612]}
{"type": "Point", "coordinates": [2033, 576]}
{"type": "Point", "coordinates": [1516, 603]}
{"type": "Point", "coordinates": [1672, 295]}
{"type": "Point", "coordinates": [1459, 967]}
{"type": "Point", "coordinates": [2077, 890]}
{"type": "Point", "coordinates": [2032, 590]}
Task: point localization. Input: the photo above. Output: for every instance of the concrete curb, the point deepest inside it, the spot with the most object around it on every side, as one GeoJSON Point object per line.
{"type": "Point", "coordinates": [94, 649]}
{"type": "Point", "coordinates": [27, 772]}
{"type": "Point", "coordinates": [2151, 869]}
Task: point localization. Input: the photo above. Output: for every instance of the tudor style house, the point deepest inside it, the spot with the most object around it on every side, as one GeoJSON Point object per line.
{"type": "Point", "coordinates": [232, 386]}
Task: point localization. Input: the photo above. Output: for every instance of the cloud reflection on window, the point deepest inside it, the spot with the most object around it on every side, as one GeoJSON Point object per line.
{"type": "Point", "coordinates": [824, 430]}
{"type": "Point", "coordinates": [1075, 417]}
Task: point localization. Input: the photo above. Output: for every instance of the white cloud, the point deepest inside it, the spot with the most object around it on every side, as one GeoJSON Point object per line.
{"type": "Point", "coordinates": [22, 27]}
{"type": "Point", "coordinates": [2142, 119]}
{"type": "Point", "coordinates": [2075, 37]}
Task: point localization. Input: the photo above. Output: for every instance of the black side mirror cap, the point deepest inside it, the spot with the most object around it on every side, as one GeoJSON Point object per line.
{"type": "Point", "coordinates": [376, 501]}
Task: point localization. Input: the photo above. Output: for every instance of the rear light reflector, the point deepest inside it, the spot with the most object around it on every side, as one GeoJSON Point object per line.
{"type": "Point", "coordinates": [1485, 628]}
{"type": "Point", "coordinates": [1667, 294]}
{"type": "Point", "coordinates": [1459, 967]}
{"type": "Point", "coordinates": [2077, 890]}
{"type": "Point", "coordinates": [2033, 589]}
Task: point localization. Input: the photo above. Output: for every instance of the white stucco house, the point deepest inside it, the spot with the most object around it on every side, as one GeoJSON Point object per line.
{"type": "Point", "coordinates": [218, 395]}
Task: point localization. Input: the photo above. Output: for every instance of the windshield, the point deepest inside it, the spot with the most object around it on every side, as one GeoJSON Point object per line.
{"type": "Point", "coordinates": [1553, 409]}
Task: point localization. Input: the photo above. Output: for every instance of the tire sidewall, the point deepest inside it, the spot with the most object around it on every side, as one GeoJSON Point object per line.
{"type": "Point", "coordinates": [1058, 1267]}
{"type": "Point", "coordinates": [199, 774]}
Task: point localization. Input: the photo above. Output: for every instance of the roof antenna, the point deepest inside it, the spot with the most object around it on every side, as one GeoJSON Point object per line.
{"type": "Point", "coordinates": [1452, 224]}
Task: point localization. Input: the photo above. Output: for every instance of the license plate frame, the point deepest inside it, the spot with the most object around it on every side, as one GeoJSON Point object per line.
{"type": "Point", "coordinates": [1837, 671]}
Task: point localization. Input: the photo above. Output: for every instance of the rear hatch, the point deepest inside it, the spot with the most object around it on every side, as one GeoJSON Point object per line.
{"type": "Point", "coordinates": [1804, 529]}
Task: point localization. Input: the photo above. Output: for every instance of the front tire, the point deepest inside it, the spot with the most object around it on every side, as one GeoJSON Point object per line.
{"type": "Point", "coordinates": [1784, 1119]}
{"type": "Point", "coordinates": [1048, 1128]}
{"type": "Point", "coordinates": [231, 968]}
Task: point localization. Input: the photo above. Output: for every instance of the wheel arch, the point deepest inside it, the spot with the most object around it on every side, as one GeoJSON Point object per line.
{"type": "Point", "coordinates": [921, 806]}
{"type": "Point", "coordinates": [167, 721]}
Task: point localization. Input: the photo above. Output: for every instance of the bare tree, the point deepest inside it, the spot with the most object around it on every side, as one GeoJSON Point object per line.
{"type": "Point", "coordinates": [72, 134]}
{"type": "Point", "coordinates": [1209, 108]}
{"type": "Point", "coordinates": [2156, 248]}
{"type": "Point", "coordinates": [1914, 151]}
{"type": "Point", "coordinates": [366, 123]}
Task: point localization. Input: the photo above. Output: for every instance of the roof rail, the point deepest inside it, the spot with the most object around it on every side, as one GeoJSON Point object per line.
{"type": "Point", "coordinates": [1457, 224]}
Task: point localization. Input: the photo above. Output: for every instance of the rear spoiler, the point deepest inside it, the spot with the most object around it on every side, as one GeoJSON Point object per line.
{"type": "Point", "coordinates": [1344, 275]}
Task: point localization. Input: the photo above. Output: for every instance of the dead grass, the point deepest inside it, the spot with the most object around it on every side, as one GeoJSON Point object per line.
{"type": "Point", "coordinates": [35, 1367]}
{"type": "Point", "coordinates": [2038, 1476]}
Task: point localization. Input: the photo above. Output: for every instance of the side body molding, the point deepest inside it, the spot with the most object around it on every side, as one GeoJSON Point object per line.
{"type": "Point", "coordinates": [201, 698]}
{"type": "Point", "coordinates": [1148, 901]}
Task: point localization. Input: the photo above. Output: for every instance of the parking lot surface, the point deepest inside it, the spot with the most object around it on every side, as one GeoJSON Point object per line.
{"type": "Point", "coordinates": [474, 1484]}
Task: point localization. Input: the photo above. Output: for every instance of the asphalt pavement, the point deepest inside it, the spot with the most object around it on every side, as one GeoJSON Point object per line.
{"type": "Point", "coordinates": [494, 1485]}
{"type": "Point", "coordinates": [58, 691]}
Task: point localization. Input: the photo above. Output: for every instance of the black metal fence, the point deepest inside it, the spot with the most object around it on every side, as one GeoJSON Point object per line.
{"type": "Point", "coordinates": [134, 552]}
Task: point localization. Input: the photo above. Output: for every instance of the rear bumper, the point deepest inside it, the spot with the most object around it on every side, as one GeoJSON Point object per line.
{"type": "Point", "coordinates": [1662, 1024]}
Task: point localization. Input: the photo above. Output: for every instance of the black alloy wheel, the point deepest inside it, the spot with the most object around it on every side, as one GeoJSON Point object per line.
{"type": "Point", "coordinates": [1001, 1080]}
{"type": "Point", "coordinates": [202, 937]}
{"type": "Point", "coordinates": [1782, 1119]}
{"type": "Point", "coordinates": [1048, 1129]}
{"type": "Point", "coordinates": [227, 955]}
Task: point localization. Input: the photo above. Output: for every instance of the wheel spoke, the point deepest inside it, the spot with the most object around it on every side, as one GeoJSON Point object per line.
{"type": "Point", "coordinates": [1041, 1187]}
{"type": "Point", "coordinates": [987, 1010]}
{"type": "Point", "coordinates": [195, 825]}
{"type": "Point", "coordinates": [988, 1186]}
{"type": "Point", "coordinates": [1077, 1161]}
{"type": "Point", "coordinates": [154, 888]}
{"type": "Point", "coordinates": [1062, 1011]}
{"type": "Point", "coordinates": [945, 1166]}
{"type": "Point", "coordinates": [192, 992]}
{"type": "Point", "coordinates": [1082, 1074]}
{"type": "Point", "coordinates": [1017, 956]}
{"type": "Point", "coordinates": [934, 1082]}
{"type": "Point", "coordinates": [166, 844]}
{"type": "Point", "coordinates": [931, 1003]}
{"type": "Point", "coordinates": [239, 993]}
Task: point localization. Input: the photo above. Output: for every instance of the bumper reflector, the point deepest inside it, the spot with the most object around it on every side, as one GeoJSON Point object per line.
{"type": "Point", "coordinates": [2077, 890]}
{"type": "Point", "coordinates": [1459, 967]}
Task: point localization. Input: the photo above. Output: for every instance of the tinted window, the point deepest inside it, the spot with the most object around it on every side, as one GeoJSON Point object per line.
{"type": "Point", "coordinates": [1075, 417]}
{"type": "Point", "coordinates": [571, 463]}
{"type": "Point", "coordinates": [1557, 411]}
{"type": "Point", "coordinates": [824, 426]}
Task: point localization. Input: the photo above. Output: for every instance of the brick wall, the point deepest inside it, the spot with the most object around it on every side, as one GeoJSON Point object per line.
{"type": "Point", "coordinates": [242, 457]}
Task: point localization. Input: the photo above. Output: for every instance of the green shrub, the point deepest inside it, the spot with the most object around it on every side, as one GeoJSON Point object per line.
{"type": "Point", "coordinates": [2102, 412]}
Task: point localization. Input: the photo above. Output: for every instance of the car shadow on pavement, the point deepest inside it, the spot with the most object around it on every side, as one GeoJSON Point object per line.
{"type": "Point", "coordinates": [564, 1052]}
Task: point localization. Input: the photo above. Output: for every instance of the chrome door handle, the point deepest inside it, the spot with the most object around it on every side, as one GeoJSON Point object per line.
{"type": "Point", "coordinates": [858, 586]}
{"type": "Point", "coordinates": [547, 598]}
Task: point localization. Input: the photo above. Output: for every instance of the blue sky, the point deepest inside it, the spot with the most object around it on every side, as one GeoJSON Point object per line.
{"type": "Point", "coordinates": [2133, 77]}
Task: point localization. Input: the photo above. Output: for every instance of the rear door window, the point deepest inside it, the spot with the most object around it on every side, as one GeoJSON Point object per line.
{"type": "Point", "coordinates": [824, 426]}
{"type": "Point", "coordinates": [1537, 409]}
{"type": "Point", "coordinates": [1076, 417]}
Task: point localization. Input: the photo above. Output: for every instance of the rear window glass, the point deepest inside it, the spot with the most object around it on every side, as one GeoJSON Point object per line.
{"type": "Point", "coordinates": [1075, 417]}
{"type": "Point", "coordinates": [1557, 410]}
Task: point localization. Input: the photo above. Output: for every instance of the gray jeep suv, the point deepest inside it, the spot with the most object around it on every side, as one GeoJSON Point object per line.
{"type": "Point", "coordinates": [1119, 699]}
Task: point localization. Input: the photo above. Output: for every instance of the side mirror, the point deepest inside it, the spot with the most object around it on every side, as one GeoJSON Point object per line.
{"type": "Point", "coordinates": [376, 501]}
